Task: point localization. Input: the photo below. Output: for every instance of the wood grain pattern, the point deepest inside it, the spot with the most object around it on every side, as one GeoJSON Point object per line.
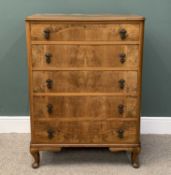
{"type": "Point", "coordinates": [85, 81]}
{"type": "Point", "coordinates": [47, 42]}
{"type": "Point", "coordinates": [78, 94]}
{"type": "Point", "coordinates": [29, 61]}
{"type": "Point", "coordinates": [84, 32]}
{"type": "Point", "coordinates": [79, 56]}
{"type": "Point", "coordinates": [84, 132]}
{"type": "Point", "coordinates": [48, 17]}
{"type": "Point", "coordinates": [85, 106]}
{"type": "Point", "coordinates": [139, 89]}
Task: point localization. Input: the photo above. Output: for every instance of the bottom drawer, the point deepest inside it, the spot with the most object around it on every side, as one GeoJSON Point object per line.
{"type": "Point", "coordinates": [85, 132]}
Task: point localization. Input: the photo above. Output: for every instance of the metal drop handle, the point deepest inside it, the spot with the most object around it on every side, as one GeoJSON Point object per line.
{"type": "Point", "coordinates": [50, 132]}
{"type": "Point", "coordinates": [48, 57]}
{"type": "Point", "coordinates": [46, 34]}
{"type": "Point", "coordinates": [50, 108]}
{"type": "Point", "coordinates": [49, 83]}
{"type": "Point", "coordinates": [121, 83]}
{"type": "Point", "coordinates": [120, 133]}
{"type": "Point", "coordinates": [122, 57]}
{"type": "Point", "coordinates": [121, 109]}
{"type": "Point", "coordinates": [123, 33]}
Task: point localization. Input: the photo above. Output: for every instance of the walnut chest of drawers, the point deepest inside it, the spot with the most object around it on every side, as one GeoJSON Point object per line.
{"type": "Point", "coordinates": [85, 82]}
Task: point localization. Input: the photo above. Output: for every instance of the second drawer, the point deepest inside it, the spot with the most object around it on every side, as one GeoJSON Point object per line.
{"type": "Point", "coordinates": [84, 107]}
{"type": "Point", "coordinates": [57, 56]}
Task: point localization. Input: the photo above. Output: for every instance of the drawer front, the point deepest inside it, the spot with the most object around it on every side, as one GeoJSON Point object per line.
{"type": "Point", "coordinates": [85, 132]}
{"type": "Point", "coordinates": [84, 107]}
{"type": "Point", "coordinates": [51, 56]}
{"type": "Point", "coordinates": [85, 81]}
{"type": "Point", "coordinates": [85, 32]}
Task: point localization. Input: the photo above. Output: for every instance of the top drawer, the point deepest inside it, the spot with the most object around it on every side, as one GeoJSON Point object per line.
{"type": "Point", "coordinates": [84, 32]}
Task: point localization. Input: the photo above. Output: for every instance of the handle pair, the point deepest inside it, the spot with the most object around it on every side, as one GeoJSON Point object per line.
{"type": "Point", "coordinates": [48, 57]}
{"type": "Point", "coordinates": [122, 33]}
{"type": "Point", "coordinates": [49, 83]}
{"type": "Point", "coordinates": [51, 133]}
{"type": "Point", "coordinates": [120, 108]}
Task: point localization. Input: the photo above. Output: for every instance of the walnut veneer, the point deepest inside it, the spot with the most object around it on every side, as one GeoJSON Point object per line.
{"type": "Point", "coordinates": [85, 82]}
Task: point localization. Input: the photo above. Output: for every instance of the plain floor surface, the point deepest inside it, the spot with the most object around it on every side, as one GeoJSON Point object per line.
{"type": "Point", "coordinates": [15, 159]}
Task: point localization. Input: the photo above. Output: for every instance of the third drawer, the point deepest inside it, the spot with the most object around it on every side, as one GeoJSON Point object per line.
{"type": "Point", "coordinates": [85, 81]}
{"type": "Point", "coordinates": [93, 107]}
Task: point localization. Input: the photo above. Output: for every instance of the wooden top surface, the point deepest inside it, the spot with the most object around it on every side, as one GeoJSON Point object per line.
{"type": "Point", "coordinates": [82, 17]}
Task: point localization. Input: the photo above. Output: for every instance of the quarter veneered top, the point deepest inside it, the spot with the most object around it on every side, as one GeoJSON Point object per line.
{"type": "Point", "coordinates": [82, 17]}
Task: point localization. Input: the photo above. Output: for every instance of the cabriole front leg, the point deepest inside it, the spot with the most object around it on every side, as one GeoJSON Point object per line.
{"type": "Point", "coordinates": [135, 158]}
{"type": "Point", "coordinates": [36, 157]}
